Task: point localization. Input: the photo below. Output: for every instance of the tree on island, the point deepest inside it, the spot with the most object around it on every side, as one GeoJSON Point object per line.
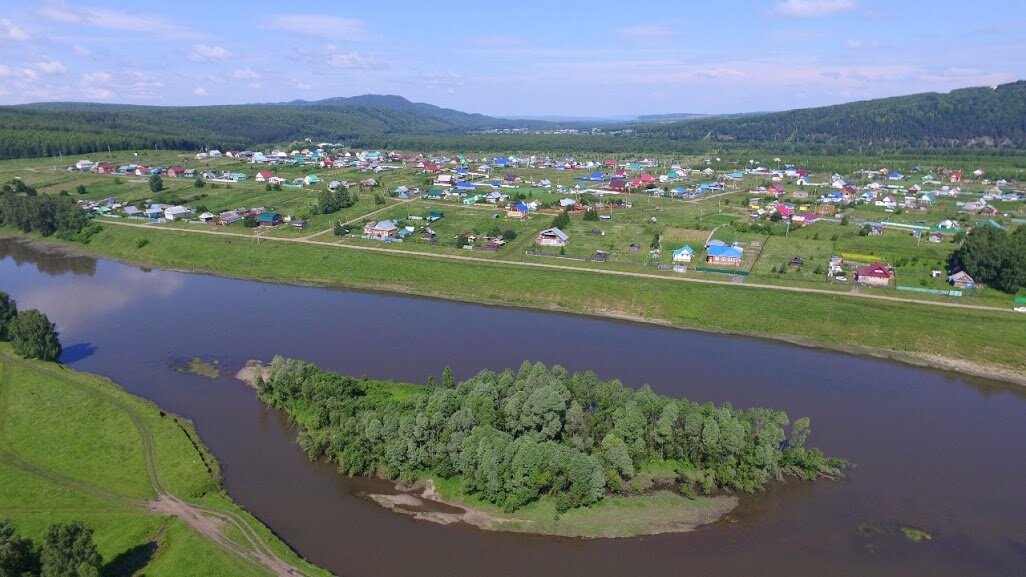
{"type": "Point", "coordinates": [515, 437]}
{"type": "Point", "coordinates": [33, 336]}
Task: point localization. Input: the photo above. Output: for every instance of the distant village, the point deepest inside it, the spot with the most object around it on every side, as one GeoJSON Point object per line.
{"type": "Point", "coordinates": [786, 195]}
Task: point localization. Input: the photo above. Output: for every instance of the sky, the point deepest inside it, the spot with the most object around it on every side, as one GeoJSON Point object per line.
{"type": "Point", "coordinates": [523, 58]}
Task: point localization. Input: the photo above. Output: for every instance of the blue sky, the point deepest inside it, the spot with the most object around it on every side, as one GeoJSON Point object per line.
{"type": "Point", "coordinates": [517, 58]}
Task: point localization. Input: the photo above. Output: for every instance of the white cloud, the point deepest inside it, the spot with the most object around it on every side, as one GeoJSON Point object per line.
{"type": "Point", "coordinates": [349, 60]}
{"type": "Point", "coordinates": [11, 31]}
{"type": "Point", "coordinates": [96, 78]}
{"type": "Point", "coordinates": [246, 74]}
{"type": "Point", "coordinates": [82, 51]}
{"type": "Point", "coordinates": [204, 53]}
{"type": "Point", "coordinates": [321, 25]}
{"type": "Point", "coordinates": [51, 67]}
{"type": "Point", "coordinates": [200, 91]}
{"type": "Point", "coordinates": [813, 8]}
{"type": "Point", "coordinates": [129, 20]}
{"type": "Point", "coordinates": [98, 93]}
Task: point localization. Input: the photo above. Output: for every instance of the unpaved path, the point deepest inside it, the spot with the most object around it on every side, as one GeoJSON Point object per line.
{"type": "Point", "coordinates": [209, 522]}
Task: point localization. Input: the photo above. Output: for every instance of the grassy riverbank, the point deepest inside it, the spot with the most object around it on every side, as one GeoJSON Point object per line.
{"type": "Point", "coordinates": [75, 447]}
{"type": "Point", "coordinates": [980, 342]}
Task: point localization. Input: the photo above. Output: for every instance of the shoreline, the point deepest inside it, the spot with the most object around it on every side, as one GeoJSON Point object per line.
{"type": "Point", "coordinates": [673, 514]}
{"type": "Point", "coordinates": [994, 372]}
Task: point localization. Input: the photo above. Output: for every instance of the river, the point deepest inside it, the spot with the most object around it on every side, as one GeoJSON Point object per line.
{"type": "Point", "coordinates": [932, 450]}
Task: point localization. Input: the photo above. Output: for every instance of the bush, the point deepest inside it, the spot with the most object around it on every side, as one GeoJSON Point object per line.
{"type": "Point", "coordinates": [249, 221]}
{"type": "Point", "coordinates": [591, 215]}
{"type": "Point", "coordinates": [199, 183]}
{"type": "Point", "coordinates": [509, 234]}
{"type": "Point", "coordinates": [141, 242]}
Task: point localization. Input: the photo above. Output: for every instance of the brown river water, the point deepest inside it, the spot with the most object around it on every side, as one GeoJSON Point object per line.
{"type": "Point", "coordinates": [933, 450]}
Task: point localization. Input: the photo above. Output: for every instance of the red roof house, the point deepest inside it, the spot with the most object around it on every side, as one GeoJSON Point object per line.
{"type": "Point", "coordinates": [876, 274]}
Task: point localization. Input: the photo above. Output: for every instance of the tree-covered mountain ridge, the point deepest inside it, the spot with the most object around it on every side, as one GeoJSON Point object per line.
{"type": "Point", "coordinates": [52, 128]}
{"type": "Point", "coordinates": [983, 117]}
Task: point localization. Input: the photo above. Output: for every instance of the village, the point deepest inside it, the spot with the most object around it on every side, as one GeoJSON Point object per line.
{"type": "Point", "coordinates": [877, 228]}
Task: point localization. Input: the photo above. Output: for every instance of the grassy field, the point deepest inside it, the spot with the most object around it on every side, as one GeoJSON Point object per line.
{"type": "Point", "coordinates": [74, 446]}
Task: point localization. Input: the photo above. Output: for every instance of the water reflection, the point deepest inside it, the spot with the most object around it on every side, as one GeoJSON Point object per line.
{"type": "Point", "coordinates": [101, 295]}
{"type": "Point", "coordinates": [21, 252]}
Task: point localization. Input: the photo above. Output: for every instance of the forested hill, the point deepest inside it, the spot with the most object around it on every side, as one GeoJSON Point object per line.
{"type": "Point", "coordinates": [973, 117]}
{"type": "Point", "coordinates": [46, 129]}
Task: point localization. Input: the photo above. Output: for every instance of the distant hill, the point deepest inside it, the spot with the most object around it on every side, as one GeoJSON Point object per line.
{"type": "Point", "coordinates": [672, 117]}
{"type": "Point", "coordinates": [973, 117]}
{"type": "Point", "coordinates": [46, 129]}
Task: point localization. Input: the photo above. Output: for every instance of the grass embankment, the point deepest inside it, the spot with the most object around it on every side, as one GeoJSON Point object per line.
{"type": "Point", "coordinates": [972, 341]}
{"type": "Point", "coordinates": [74, 446]}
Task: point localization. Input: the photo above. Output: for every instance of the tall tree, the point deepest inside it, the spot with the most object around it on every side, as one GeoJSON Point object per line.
{"type": "Point", "coordinates": [8, 312]}
{"type": "Point", "coordinates": [156, 184]}
{"type": "Point", "coordinates": [18, 557]}
{"type": "Point", "coordinates": [33, 336]}
{"type": "Point", "coordinates": [69, 551]}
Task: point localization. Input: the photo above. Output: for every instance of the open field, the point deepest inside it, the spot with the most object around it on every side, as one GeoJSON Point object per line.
{"type": "Point", "coordinates": [75, 447]}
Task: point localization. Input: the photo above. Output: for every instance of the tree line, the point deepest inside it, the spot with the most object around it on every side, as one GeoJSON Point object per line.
{"type": "Point", "coordinates": [67, 550]}
{"type": "Point", "coordinates": [22, 208]}
{"type": "Point", "coordinates": [994, 256]}
{"type": "Point", "coordinates": [972, 117]}
{"type": "Point", "coordinates": [30, 332]}
{"type": "Point", "coordinates": [515, 437]}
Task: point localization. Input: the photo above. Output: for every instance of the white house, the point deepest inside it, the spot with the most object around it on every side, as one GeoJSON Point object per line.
{"type": "Point", "coordinates": [178, 213]}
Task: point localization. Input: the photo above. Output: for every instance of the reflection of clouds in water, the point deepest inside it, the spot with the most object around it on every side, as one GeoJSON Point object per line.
{"type": "Point", "coordinates": [71, 305]}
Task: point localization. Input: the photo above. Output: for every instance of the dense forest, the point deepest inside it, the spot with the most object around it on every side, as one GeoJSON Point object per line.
{"type": "Point", "coordinates": [971, 117]}
{"type": "Point", "coordinates": [979, 118]}
{"type": "Point", "coordinates": [514, 437]}
{"type": "Point", "coordinates": [995, 257]}
{"type": "Point", "coordinates": [49, 129]}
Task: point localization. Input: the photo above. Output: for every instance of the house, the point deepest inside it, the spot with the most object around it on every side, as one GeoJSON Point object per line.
{"type": "Point", "coordinates": [269, 219]}
{"type": "Point", "coordinates": [796, 261]}
{"type": "Point", "coordinates": [936, 237]}
{"type": "Point", "coordinates": [429, 235]}
{"type": "Point", "coordinates": [227, 217]}
{"type": "Point", "coordinates": [518, 210]}
{"type": "Point", "coordinates": [826, 210]}
{"type": "Point", "coordinates": [435, 215]}
{"type": "Point", "coordinates": [311, 179]}
{"type": "Point", "coordinates": [175, 171]}
{"type": "Point", "coordinates": [876, 274]}
{"type": "Point", "coordinates": [552, 237]}
{"type": "Point", "coordinates": [683, 254]}
{"type": "Point", "coordinates": [84, 165]}
{"type": "Point", "coordinates": [381, 229]}
{"type": "Point", "coordinates": [178, 212]}
{"type": "Point", "coordinates": [131, 210]}
{"type": "Point", "coordinates": [961, 279]}
{"type": "Point", "coordinates": [154, 211]}
{"type": "Point", "coordinates": [264, 176]}
{"type": "Point", "coordinates": [724, 255]}
{"type": "Point", "coordinates": [104, 168]}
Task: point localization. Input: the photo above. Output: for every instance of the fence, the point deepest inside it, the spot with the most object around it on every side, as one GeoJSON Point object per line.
{"type": "Point", "coordinates": [721, 271]}
{"type": "Point", "coordinates": [928, 291]}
